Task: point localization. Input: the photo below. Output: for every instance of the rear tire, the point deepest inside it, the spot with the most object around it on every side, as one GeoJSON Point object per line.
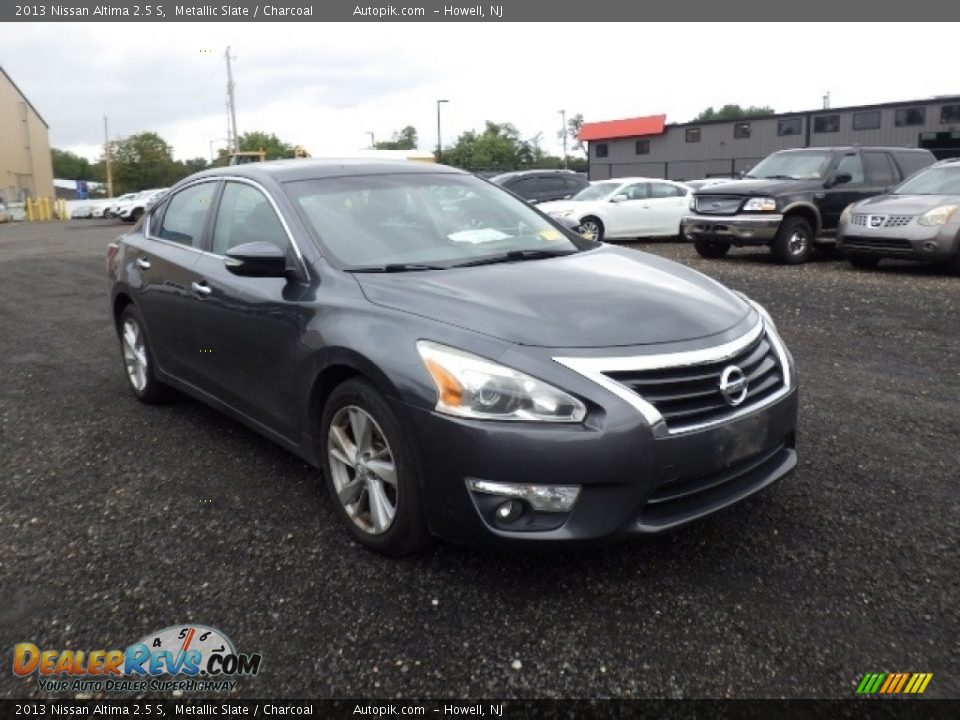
{"type": "Point", "coordinates": [863, 262]}
{"type": "Point", "coordinates": [591, 228]}
{"type": "Point", "coordinates": [793, 242]}
{"type": "Point", "coordinates": [138, 359]}
{"type": "Point", "coordinates": [954, 265]}
{"type": "Point", "coordinates": [710, 247]}
{"type": "Point", "coordinates": [371, 472]}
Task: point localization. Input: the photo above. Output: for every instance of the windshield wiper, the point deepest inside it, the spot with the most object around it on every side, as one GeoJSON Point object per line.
{"type": "Point", "coordinates": [778, 177]}
{"type": "Point", "coordinates": [514, 256]}
{"type": "Point", "coordinates": [396, 267]}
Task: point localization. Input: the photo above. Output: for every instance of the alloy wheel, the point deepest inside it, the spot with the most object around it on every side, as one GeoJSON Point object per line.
{"type": "Point", "coordinates": [134, 354]}
{"type": "Point", "coordinates": [590, 230]}
{"type": "Point", "coordinates": [363, 469]}
{"type": "Point", "coordinates": [797, 243]}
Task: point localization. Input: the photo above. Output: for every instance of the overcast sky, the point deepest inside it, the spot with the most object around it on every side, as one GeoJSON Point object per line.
{"type": "Point", "coordinates": [324, 85]}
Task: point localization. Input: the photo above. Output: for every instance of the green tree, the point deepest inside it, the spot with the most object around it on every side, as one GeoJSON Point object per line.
{"type": "Point", "coordinates": [498, 147]}
{"type": "Point", "coordinates": [142, 161]}
{"type": "Point", "coordinates": [733, 112]}
{"type": "Point", "coordinates": [69, 166]}
{"type": "Point", "coordinates": [274, 147]}
{"type": "Point", "coordinates": [405, 139]}
{"type": "Point", "coordinates": [574, 126]}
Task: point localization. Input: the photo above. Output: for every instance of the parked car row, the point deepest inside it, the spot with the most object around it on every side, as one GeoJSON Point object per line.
{"type": "Point", "coordinates": [128, 207]}
{"type": "Point", "coordinates": [870, 202]}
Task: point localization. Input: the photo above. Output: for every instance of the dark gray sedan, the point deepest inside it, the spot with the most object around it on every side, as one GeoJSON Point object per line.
{"type": "Point", "coordinates": [918, 220]}
{"type": "Point", "coordinates": [455, 362]}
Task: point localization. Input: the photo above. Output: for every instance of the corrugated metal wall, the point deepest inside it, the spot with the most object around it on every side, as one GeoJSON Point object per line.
{"type": "Point", "coordinates": [720, 153]}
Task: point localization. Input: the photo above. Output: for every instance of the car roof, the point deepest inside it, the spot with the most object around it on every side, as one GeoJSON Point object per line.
{"type": "Point", "coordinates": [640, 179]}
{"type": "Point", "coordinates": [311, 169]}
{"type": "Point", "coordinates": [843, 148]}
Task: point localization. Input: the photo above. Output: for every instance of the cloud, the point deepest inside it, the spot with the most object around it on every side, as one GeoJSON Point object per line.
{"type": "Point", "coordinates": [325, 85]}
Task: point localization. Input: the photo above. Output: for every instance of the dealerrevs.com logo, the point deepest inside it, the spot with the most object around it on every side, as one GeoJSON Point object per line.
{"type": "Point", "coordinates": [194, 657]}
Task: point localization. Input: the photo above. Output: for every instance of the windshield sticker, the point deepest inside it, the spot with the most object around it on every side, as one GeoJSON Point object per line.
{"type": "Point", "coordinates": [551, 235]}
{"type": "Point", "coordinates": [476, 237]}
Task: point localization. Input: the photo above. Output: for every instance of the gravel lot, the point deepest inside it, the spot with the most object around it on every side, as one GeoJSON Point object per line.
{"type": "Point", "coordinates": [118, 519]}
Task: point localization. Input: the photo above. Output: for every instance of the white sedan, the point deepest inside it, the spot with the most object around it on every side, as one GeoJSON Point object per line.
{"type": "Point", "coordinates": [625, 208]}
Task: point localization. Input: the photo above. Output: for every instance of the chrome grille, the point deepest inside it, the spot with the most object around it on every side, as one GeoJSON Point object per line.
{"type": "Point", "coordinates": [689, 396]}
{"type": "Point", "coordinates": [889, 221]}
{"type": "Point", "coordinates": [718, 204]}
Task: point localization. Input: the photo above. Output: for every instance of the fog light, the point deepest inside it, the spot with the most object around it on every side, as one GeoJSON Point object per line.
{"type": "Point", "coordinates": [509, 511]}
{"type": "Point", "coordinates": [545, 498]}
{"type": "Point", "coordinates": [930, 246]}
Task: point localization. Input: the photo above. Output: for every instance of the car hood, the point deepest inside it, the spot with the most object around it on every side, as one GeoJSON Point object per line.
{"type": "Point", "coordinates": [760, 187]}
{"type": "Point", "coordinates": [905, 204]}
{"type": "Point", "coordinates": [600, 298]}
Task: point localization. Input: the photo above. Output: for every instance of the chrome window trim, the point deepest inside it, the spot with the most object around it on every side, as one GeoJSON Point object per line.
{"type": "Point", "coordinates": [230, 178]}
{"type": "Point", "coordinates": [595, 368]}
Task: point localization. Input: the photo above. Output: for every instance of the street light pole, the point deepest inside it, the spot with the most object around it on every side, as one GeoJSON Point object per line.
{"type": "Point", "coordinates": [439, 145]}
{"type": "Point", "coordinates": [563, 134]}
{"type": "Point", "coordinates": [373, 142]}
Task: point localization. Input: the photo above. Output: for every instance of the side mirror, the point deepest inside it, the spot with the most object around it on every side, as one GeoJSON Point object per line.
{"type": "Point", "coordinates": [618, 198]}
{"type": "Point", "coordinates": [841, 178]}
{"type": "Point", "coordinates": [256, 259]}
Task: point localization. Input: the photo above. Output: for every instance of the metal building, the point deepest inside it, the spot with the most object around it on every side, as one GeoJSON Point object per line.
{"type": "Point", "coordinates": [649, 147]}
{"type": "Point", "coordinates": [26, 169]}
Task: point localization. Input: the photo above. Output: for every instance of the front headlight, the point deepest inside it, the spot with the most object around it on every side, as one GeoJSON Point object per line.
{"type": "Point", "coordinates": [561, 213]}
{"type": "Point", "coordinates": [693, 202]}
{"type": "Point", "coordinates": [760, 204]}
{"type": "Point", "coordinates": [937, 216]}
{"type": "Point", "coordinates": [474, 387]}
{"type": "Point", "coordinates": [847, 212]}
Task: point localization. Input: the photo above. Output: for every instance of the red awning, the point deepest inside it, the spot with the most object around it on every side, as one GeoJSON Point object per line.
{"type": "Point", "coordinates": [631, 127]}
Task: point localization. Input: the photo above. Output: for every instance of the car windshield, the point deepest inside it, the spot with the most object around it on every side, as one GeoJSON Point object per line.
{"type": "Point", "coordinates": [597, 191]}
{"type": "Point", "coordinates": [932, 181]}
{"type": "Point", "coordinates": [792, 166]}
{"type": "Point", "coordinates": [422, 221]}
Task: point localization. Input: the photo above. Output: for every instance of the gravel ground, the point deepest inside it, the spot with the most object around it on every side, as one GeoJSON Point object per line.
{"type": "Point", "coordinates": [118, 519]}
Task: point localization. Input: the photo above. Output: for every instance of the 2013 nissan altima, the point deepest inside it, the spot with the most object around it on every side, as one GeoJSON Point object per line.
{"type": "Point", "coordinates": [455, 362]}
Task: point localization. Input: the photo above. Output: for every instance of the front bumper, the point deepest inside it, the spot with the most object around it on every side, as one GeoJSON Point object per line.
{"type": "Point", "coordinates": [738, 229]}
{"type": "Point", "coordinates": [915, 242]}
{"type": "Point", "coordinates": [633, 482]}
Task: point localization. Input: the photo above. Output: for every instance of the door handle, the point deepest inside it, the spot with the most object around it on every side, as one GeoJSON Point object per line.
{"type": "Point", "coordinates": [143, 263]}
{"type": "Point", "coordinates": [201, 287]}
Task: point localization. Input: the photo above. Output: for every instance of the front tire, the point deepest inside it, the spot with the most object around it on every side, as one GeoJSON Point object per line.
{"type": "Point", "coordinates": [371, 472]}
{"type": "Point", "coordinates": [592, 228]}
{"type": "Point", "coordinates": [793, 242]}
{"type": "Point", "coordinates": [138, 359]}
{"type": "Point", "coordinates": [709, 247]}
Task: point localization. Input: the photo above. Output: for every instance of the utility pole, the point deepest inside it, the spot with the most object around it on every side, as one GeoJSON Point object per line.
{"type": "Point", "coordinates": [107, 152]}
{"type": "Point", "coordinates": [373, 141]}
{"type": "Point", "coordinates": [439, 142]}
{"type": "Point", "coordinates": [231, 107]}
{"type": "Point", "coordinates": [563, 134]}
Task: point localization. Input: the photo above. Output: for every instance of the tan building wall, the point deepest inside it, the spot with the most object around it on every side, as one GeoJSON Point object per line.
{"type": "Point", "coordinates": [25, 165]}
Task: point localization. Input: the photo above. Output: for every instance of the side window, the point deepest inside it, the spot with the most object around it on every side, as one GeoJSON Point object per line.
{"type": "Point", "coordinates": [245, 215]}
{"type": "Point", "coordinates": [851, 164]}
{"type": "Point", "coordinates": [186, 215]}
{"type": "Point", "coordinates": [574, 182]}
{"type": "Point", "coordinates": [879, 169]}
{"type": "Point", "coordinates": [552, 185]}
{"type": "Point", "coordinates": [638, 191]}
{"type": "Point", "coordinates": [663, 190]}
{"type": "Point", "coordinates": [525, 188]}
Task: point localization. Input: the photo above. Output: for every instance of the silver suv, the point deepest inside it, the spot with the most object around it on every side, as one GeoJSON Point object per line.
{"type": "Point", "coordinates": [918, 220]}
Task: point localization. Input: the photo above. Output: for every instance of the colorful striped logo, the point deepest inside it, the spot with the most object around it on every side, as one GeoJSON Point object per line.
{"type": "Point", "coordinates": [894, 683]}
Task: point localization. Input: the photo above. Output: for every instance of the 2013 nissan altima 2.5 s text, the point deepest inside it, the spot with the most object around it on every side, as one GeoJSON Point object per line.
{"type": "Point", "coordinates": [456, 363]}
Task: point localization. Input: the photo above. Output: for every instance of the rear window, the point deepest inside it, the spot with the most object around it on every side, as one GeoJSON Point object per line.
{"type": "Point", "coordinates": [910, 162]}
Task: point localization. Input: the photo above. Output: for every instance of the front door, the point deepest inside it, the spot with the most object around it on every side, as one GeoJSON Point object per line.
{"type": "Point", "coordinates": [248, 328]}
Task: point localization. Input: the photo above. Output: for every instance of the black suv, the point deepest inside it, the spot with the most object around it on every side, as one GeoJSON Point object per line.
{"type": "Point", "coordinates": [793, 197]}
{"type": "Point", "coordinates": [537, 186]}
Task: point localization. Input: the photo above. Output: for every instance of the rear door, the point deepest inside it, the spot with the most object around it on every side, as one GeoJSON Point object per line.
{"type": "Point", "coordinates": [881, 171]}
{"type": "Point", "coordinates": [248, 328]}
{"type": "Point", "coordinates": [163, 275]}
{"type": "Point", "coordinates": [668, 203]}
{"type": "Point", "coordinates": [551, 187]}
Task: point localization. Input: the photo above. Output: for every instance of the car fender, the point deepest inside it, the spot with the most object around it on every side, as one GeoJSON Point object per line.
{"type": "Point", "coordinates": [808, 206]}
